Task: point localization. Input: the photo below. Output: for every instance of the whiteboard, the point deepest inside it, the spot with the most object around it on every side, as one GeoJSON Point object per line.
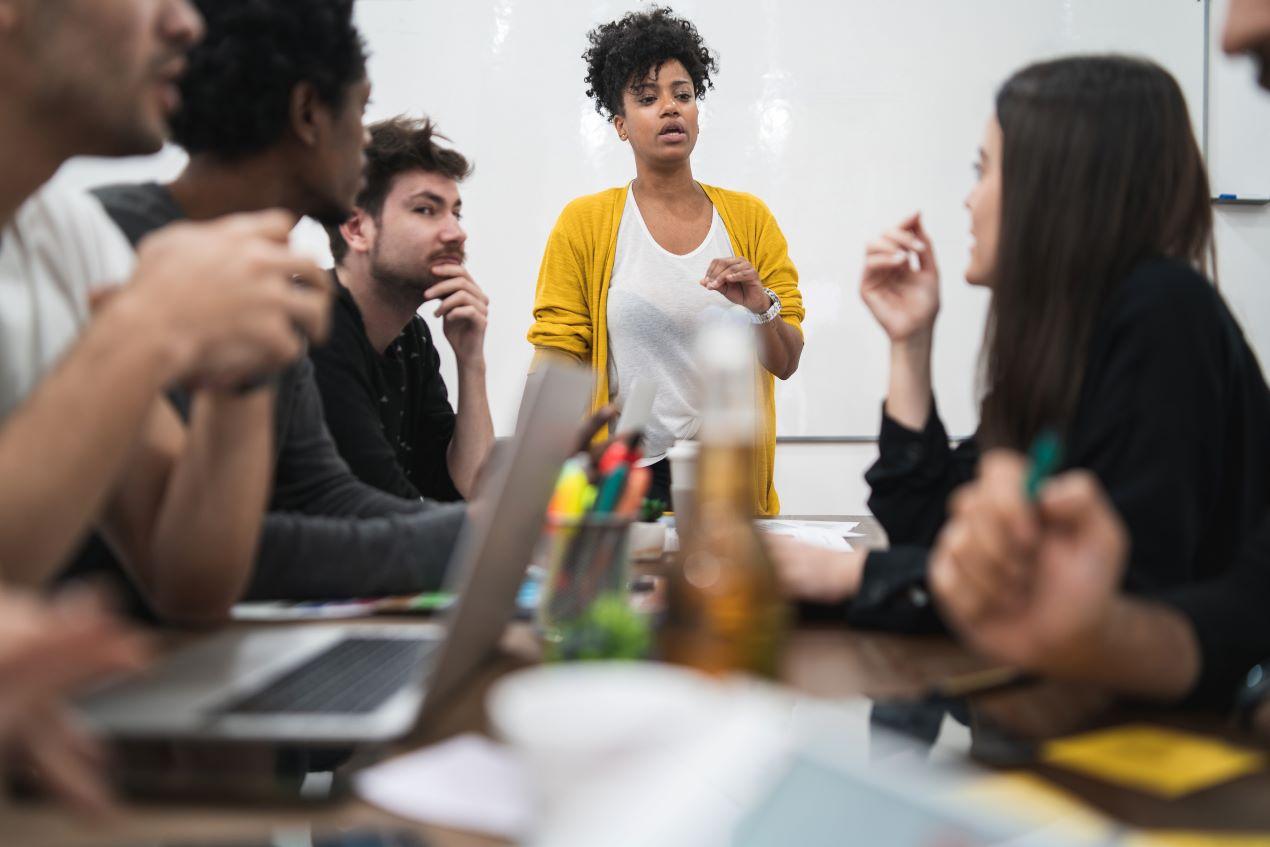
{"type": "Point", "coordinates": [843, 116]}
{"type": "Point", "coordinates": [1238, 119]}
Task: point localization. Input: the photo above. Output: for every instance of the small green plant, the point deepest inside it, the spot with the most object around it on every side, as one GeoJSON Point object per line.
{"type": "Point", "coordinates": [652, 510]}
{"type": "Point", "coordinates": [608, 629]}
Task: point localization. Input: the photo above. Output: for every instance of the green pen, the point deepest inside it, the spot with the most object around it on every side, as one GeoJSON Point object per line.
{"type": "Point", "coordinates": [1043, 460]}
{"type": "Point", "coordinates": [611, 490]}
{"type": "Point", "coordinates": [432, 602]}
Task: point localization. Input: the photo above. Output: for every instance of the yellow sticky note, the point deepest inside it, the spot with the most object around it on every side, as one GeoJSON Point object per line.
{"type": "Point", "coordinates": [1162, 761]}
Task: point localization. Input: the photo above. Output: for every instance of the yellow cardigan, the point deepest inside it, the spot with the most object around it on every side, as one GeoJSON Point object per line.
{"type": "Point", "coordinates": [571, 303]}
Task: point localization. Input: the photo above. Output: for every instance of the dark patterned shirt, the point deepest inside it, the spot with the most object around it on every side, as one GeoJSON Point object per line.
{"type": "Point", "coordinates": [389, 413]}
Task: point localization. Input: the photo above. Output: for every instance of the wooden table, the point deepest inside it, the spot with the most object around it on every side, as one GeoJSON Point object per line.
{"type": "Point", "coordinates": [820, 661]}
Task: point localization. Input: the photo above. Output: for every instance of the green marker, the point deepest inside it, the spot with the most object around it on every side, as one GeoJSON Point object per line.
{"type": "Point", "coordinates": [432, 602]}
{"type": "Point", "coordinates": [1043, 460]}
{"type": "Point", "coordinates": [611, 490]}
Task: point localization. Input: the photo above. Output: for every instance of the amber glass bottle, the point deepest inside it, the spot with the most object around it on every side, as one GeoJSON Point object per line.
{"type": "Point", "coordinates": [725, 612]}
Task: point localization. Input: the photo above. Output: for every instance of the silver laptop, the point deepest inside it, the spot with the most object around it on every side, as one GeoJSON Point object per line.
{"type": "Point", "coordinates": [352, 683]}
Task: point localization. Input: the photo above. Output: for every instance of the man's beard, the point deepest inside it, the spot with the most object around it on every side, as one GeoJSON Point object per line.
{"type": "Point", "coordinates": [402, 289]}
{"type": "Point", "coordinates": [406, 287]}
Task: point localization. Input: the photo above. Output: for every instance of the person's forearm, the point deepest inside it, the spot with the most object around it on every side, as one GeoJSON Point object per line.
{"type": "Point", "coordinates": [473, 429]}
{"type": "Point", "coordinates": [208, 528]}
{"type": "Point", "coordinates": [780, 348]}
{"type": "Point", "coordinates": [908, 395]}
{"type": "Point", "coordinates": [306, 557]}
{"type": "Point", "coordinates": [62, 451]}
{"type": "Point", "coordinates": [1146, 649]}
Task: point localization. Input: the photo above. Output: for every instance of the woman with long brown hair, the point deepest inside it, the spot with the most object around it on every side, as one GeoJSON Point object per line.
{"type": "Point", "coordinates": [1092, 227]}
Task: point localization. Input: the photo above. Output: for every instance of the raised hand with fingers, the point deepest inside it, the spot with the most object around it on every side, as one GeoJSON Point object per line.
{"type": "Point", "coordinates": [463, 309]}
{"type": "Point", "coordinates": [903, 300]}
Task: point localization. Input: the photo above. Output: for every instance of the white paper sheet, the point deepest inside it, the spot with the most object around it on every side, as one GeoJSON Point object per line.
{"type": "Point", "coordinates": [832, 535]}
{"type": "Point", "coordinates": [298, 611]}
{"type": "Point", "coordinates": [468, 783]}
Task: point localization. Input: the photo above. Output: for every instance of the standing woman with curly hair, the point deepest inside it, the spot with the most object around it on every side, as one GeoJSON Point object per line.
{"type": "Point", "coordinates": [628, 271]}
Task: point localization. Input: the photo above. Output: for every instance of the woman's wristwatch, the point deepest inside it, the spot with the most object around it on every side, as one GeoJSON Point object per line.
{"type": "Point", "coordinates": [771, 314]}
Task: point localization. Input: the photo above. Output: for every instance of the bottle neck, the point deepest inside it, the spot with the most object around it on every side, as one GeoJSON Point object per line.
{"type": "Point", "coordinates": [729, 416]}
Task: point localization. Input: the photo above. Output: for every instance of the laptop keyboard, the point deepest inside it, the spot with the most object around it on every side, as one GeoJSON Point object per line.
{"type": "Point", "coordinates": [355, 676]}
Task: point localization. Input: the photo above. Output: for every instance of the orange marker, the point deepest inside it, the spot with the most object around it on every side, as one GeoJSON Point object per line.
{"type": "Point", "coordinates": [636, 487]}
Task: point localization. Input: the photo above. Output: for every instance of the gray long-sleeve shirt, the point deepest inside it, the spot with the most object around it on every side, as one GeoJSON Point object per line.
{"type": "Point", "coordinates": [327, 535]}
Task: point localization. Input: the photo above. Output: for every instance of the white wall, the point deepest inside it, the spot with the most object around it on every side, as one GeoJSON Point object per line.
{"type": "Point", "coordinates": [823, 479]}
{"type": "Point", "coordinates": [812, 478]}
{"type": "Point", "coordinates": [1243, 264]}
{"type": "Point", "coordinates": [842, 118]}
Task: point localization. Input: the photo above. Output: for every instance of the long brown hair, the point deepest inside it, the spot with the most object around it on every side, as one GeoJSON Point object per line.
{"type": "Point", "coordinates": [1100, 170]}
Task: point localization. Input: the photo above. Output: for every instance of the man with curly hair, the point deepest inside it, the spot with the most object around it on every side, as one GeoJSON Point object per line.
{"type": "Point", "coordinates": [272, 116]}
{"type": "Point", "coordinates": [386, 403]}
{"type": "Point", "coordinates": [628, 272]}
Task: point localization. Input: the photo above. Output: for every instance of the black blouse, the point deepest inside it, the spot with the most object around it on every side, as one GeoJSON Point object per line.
{"type": "Point", "coordinates": [1173, 418]}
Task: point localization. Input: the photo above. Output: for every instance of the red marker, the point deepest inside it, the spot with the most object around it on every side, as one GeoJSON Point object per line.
{"type": "Point", "coordinates": [616, 454]}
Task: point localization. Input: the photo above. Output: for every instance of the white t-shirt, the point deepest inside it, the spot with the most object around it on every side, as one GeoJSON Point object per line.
{"type": "Point", "coordinates": [60, 246]}
{"type": "Point", "coordinates": [655, 305]}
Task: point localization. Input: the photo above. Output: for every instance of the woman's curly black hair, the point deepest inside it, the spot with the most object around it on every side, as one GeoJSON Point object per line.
{"type": "Point", "coordinates": [625, 51]}
{"type": "Point", "coordinates": [236, 95]}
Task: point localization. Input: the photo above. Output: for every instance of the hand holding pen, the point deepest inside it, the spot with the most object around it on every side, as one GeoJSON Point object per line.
{"type": "Point", "coordinates": [991, 538]}
{"type": "Point", "coordinates": [1030, 582]}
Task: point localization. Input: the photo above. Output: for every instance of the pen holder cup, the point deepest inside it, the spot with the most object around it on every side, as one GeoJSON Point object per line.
{"type": "Point", "coordinates": [586, 584]}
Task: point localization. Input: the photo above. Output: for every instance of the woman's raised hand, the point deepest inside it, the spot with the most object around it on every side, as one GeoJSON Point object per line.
{"type": "Point", "coordinates": [904, 300]}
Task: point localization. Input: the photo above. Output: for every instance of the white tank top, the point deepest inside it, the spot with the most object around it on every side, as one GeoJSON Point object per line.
{"type": "Point", "coordinates": [655, 303]}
